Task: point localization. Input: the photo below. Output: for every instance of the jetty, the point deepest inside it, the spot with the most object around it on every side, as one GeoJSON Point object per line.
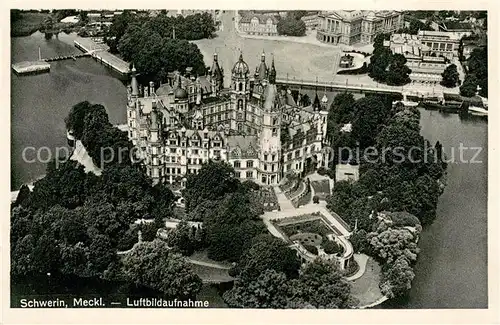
{"type": "Point", "coordinates": [31, 67]}
{"type": "Point", "coordinates": [99, 51]}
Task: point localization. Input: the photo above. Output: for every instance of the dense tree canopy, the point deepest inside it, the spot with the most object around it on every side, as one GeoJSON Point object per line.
{"type": "Point", "coordinates": [268, 252]}
{"type": "Point", "coordinates": [150, 45]}
{"type": "Point", "coordinates": [73, 222]}
{"type": "Point", "coordinates": [451, 77]}
{"type": "Point", "coordinates": [319, 285]}
{"type": "Point", "coordinates": [386, 67]}
{"type": "Point", "coordinates": [151, 264]}
{"type": "Point", "coordinates": [477, 74]}
{"type": "Point", "coordinates": [291, 25]}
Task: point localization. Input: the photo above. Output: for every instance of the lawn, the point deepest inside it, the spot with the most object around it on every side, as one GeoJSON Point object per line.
{"type": "Point", "coordinates": [366, 289]}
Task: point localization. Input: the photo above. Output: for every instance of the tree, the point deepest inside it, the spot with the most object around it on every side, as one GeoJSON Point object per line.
{"type": "Point", "coordinates": [398, 72]}
{"type": "Point", "coordinates": [397, 278]}
{"type": "Point", "coordinates": [212, 182]}
{"type": "Point", "coordinates": [391, 243]}
{"type": "Point", "coordinates": [291, 26]}
{"type": "Point", "coordinates": [469, 86]}
{"type": "Point", "coordinates": [371, 113]}
{"type": "Point", "coordinates": [151, 264]}
{"type": "Point", "coordinates": [268, 290]}
{"type": "Point", "coordinates": [450, 76]}
{"type": "Point", "coordinates": [268, 252]}
{"type": "Point", "coordinates": [182, 239]}
{"type": "Point", "coordinates": [322, 285]}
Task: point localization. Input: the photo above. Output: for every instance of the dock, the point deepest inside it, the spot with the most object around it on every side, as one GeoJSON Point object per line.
{"type": "Point", "coordinates": [31, 67]}
{"type": "Point", "coordinates": [99, 51]}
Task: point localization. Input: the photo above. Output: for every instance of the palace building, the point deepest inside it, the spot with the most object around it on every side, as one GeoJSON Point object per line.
{"type": "Point", "coordinates": [356, 26]}
{"type": "Point", "coordinates": [254, 125]}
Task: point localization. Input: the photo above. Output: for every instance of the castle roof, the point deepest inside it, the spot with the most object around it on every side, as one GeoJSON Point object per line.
{"type": "Point", "coordinates": [216, 71]}
{"type": "Point", "coordinates": [270, 93]}
{"type": "Point", "coordinates": [262, 69]}
{"type": "Point", "coordinates": [241, 67]}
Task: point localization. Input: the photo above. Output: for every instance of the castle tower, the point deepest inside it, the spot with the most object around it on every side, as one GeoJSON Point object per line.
{"type": "Point", "coordinates": [240, 93]}
{"type": "Point", "coordinates": [269, 137]}
{"type": "Point", "coordinates": [154, 142]}
{"type": "Point", "coordinates": [261, 72]}
{"type": "Point", "coordinates": [216, 77]}
{"type": "Point", "coordinates": [132, 107]}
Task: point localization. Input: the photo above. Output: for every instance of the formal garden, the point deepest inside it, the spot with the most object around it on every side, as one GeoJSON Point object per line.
{"type": "Point", "coordinates": [312, 233]}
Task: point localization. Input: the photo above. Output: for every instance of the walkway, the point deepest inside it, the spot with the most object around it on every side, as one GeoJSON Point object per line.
{"type": "Point", "coordinates": [362, 260]}
{"type": "Point", "coordinates": [366, 288]}
{"type": "Point", "coordinates": [80, 155]}
{"type": "Point", "coordinates": [283, 201]}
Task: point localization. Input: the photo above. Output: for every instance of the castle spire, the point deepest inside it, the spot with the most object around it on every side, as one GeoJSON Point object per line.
{"type": "Point", "coordinates": [272, 73]}
{"type": "Point", "coordinates": [134, 85]}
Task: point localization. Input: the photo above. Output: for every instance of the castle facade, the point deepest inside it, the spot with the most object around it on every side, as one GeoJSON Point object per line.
{"type": "Point", "coordinates": [254, 125]}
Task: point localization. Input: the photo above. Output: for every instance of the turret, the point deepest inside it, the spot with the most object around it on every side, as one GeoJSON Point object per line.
{"type": "Point", "coordinates": [216, 76]}
{"type": "Point", "coordinates": [272, 73]}
{"type": "Point", "coordinates": [151, 88]}
{"type": "Point", "coordinates": [133, 84]}
{"type": "Point", "coordinates": [261, 71]}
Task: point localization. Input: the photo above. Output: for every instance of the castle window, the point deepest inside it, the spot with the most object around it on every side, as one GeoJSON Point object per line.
{"type": "Point", "coordinates": [250, 163]}
{"type": "Point", "coordinates": [240, 104]}
{"type": "Point", "coordinates": [240, 86]}
{"type": "Point", "coordinates": [273, 157]}
{"type": "Point", "coordinates": [238, 174]}
{"type": "Point", "coordinates": [265, 157]}
{"type": "Point", "coordinates": [237, 164]}
{"type": "Point", "coordinates": [239, 126]}
{"type": "Point", "coordinates": [249, 174]}
{"type": "Point", "coordinates": [265, 167]}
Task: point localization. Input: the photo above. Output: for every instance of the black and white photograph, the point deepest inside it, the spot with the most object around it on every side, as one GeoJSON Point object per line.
{"type": "Point", "coordinates": [248, 159]}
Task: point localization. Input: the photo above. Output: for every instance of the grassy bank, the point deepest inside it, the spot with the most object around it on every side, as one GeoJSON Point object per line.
{"type": "Point", "coordinates": [28, 23]}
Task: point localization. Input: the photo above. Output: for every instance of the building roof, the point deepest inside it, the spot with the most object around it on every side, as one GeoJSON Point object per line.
{"type": "Point", "coordinates": [455, 25]}
{"type": "Point", "coordinates": [247, 18]}
{"type": "Point", "coordinates": [241, 67]}
{"type": "Point", "coordinates": [244, 142]}
{"type": "Point", "coordinates": [270, 93]}
{"type": "Point", "coordinates": [262, 68]}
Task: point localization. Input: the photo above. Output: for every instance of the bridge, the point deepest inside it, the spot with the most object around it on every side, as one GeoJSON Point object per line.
{"type": "Point", "coordinates": [67, 57]}
{"type": "Point", "coordinates": [335, 85]}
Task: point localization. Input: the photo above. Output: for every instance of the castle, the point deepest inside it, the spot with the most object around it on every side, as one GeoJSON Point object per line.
{"type": "Point", "coordinates": [254, 125]}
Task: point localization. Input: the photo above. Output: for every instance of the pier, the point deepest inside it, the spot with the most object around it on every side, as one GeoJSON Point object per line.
{"type": "Point", "coordinates": [99, 51]}
{"type": "Point", "coordinates": [67, 57]}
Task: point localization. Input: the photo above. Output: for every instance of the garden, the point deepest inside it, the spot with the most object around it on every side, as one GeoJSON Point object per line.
{"type": "Point", "coordinates": [313, 235]}
{"type": "Point", "coordinates": [321, 188]}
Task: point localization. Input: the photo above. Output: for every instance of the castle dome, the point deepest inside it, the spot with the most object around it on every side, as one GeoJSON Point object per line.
{"type": "Point", "coordinates": [241, 67]}
{"type": "Point", "coordinates": [180, 93]}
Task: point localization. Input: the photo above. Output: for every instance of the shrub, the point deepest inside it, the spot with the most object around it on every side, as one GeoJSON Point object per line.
{"type": "Point", "coordinates": [331, 247]}
{"type": "Point", "coordinates": [362, 70]}
{"type": "Point", "coordinates": [315, 199]}
{"type": "Point", "coordinates": [311, 249]}
{"type": "Point", "coordinates": [128, 239]}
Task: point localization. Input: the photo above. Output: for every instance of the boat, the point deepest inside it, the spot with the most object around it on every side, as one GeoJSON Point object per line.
{"type": "Point", "coordinates": [478, 111]}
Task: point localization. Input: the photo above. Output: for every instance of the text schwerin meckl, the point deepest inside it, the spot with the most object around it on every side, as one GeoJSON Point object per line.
{"type": "Point", "coordinates": [159, 302]}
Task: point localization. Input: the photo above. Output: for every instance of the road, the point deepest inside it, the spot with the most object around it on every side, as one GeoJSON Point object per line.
{"type": "Point", "coordinates": [302, 61]}
{"type": "Point", "coordinates": [293, 60]}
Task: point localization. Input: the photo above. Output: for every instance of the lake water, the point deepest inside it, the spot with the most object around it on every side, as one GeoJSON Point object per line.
{"type": "Point", "coordinates": [41, 102]}
{"type": "Point", "coordinates": [452, 268]}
